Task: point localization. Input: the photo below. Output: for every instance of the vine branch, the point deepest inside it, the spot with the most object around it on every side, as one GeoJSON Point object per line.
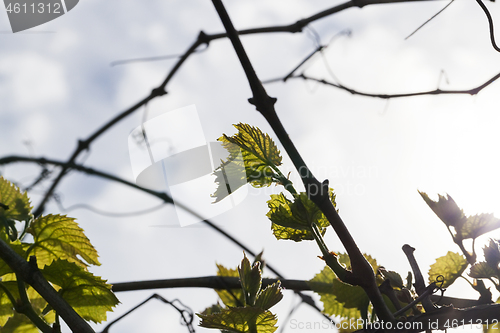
{"type": "Point", "coordinates": [161, 195]}
{"type": "Point", "coordinates": [224, 282]}
{"type": "Point", "coordinates": [29, 273]}
{"type": "Point", "coordinates": [472, 91]}
{"type": "Point", "coordinates": [362, 272]}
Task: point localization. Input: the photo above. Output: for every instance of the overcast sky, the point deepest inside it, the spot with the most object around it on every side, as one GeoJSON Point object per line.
{"type": "Point", "coordinates": [57, 86]}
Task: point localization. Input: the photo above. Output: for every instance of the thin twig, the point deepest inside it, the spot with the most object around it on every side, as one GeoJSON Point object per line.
{"type": "Point", "coordinates": [472, 92]}
{"type": "Point", "coordinates": [433, 16]}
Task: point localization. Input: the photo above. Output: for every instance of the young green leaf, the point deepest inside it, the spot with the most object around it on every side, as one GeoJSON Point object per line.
{"type": "Point", "coordinates": [232, 297]}
{"type": "Point", "coordinates": [482, 270]}
{"type": "Point", "coordinates": [269, 296]}
{"type": "Point", "coordinates": [7, 312]}
{"type": "Point", "coordinates": [89, 295]}
{"type": "Point", "coordinates": [254, 150]}
{"type": "Point", "coordinates": [251, 280]}
{"type": "Point", "coordinates": [331, 305]}
{"type": "Point", "coordinates": [478, 225]}
{"type": "Point", "coordinates": [60, 237]}
{"type": "Point", "coordinates": [346, 261]}
{"type": "Point", "coordinates": [19, 323]}
{"type": "Point", "coordinates": [216, 308]}
{"type": "Point", "coordinates": [492, 254]}
{"type": "Point", "coordinates": [243, 320]}
{"type": "Point", "coordinates": [450, 266]}
{"type": "Point", "coordinates": [258, 258]}
{"type": "Point", "coordinates": [293, 220]}
{"type": "Point", "coordinates": [394, 277]}
{"type": "Point", "coordinates": [18, 203]}
{"type": "Point", "coordinates": [466, 227]}
{"type": "Point", "coordinates": [351, 297]}
{"type": "Point", "coordinates": [447, 210]}
{"type": "Point", "coordinates": [6, 306]}
{"type": "Point", "coordinates": [229, 176]}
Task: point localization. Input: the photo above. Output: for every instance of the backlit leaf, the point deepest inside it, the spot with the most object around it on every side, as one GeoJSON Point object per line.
{"type": "Point", "coordinates": [482, 270]}
{"type": "Point", "coordinates": [233, 297]}
{"type": "Point", "coordinates": [6, 307]}
{"type": "Point", "coordinates": [394, 278]}
{"type": "Point", "coordinates": [7, 310]}
{"type": "Point", "coordinates": [344, 259]}
{"type": "Point", "coordinates": [446, 209]}
{"type": "Point", "coordinates": [492, 253]}
{"type": "Point", "coordinates": [450, 266]}
{"type": "Point", "coordinates": [229, 176]}
{"type": "Point", "coordinates": [60, 237]}
{"type": "Point", "coordinates": [293, 219]}
{"type": "Point", "coordinates": [478, 225]}
{"type": "Point", "coordinates": [18, 203]}
{"type": "Point", "coordinates": [322, 283]}
{"type": "Point", "coordinates": [89, 295]}
{"type": "Point", "coordinates": [241, 320]}
{"type": "Point", "coordinates": [254, 150]}
{"type": "Point", "coordinates": [19, 324]}
{"type": "Point", "coordinates": [352, 297]}
{"type": "Point", "coordinates": [251, 280]}
{"type": "Point", "coordinates": [216, 308]}
{"type": "Point", "coordinates": [269, 296]}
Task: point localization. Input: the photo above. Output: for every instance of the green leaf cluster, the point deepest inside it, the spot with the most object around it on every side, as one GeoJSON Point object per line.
{"type": "Point", "coordinates": [450, 267]}
{"type": "Point", "coordinates": [255, 152]}
{"type": "Point", "coordinates": [245, 309]}
{"type": "Point", "coordinates": [294, 219]}
{"type": "Point", "coordinates": [490, 268]}
{"type": "Point", "coordinates": [62, 253]}
{"type": "Point", "coordinates": [466, 227]}
{"type": "Point", "coordinates": [339, 298]}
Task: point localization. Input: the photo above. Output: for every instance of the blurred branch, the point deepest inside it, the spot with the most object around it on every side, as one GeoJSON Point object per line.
{"type": "Point", "coordinates": [160, 90]}
{"type": "Point", "coordinates": [109, 214]}
{"type": "Point", "coordinates": [185, 312]}
{"type": "Point", "coordinates": [161, 195]}
{"type": "Point", "coordinates": [472, 92]}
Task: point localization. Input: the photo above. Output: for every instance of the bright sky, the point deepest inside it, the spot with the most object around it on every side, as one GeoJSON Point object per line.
{"type": "Point", "coordinates": [57, 86]}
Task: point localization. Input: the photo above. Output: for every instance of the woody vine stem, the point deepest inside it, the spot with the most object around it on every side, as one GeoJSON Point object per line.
{"type": "Point", "coordinates": [362, 273]}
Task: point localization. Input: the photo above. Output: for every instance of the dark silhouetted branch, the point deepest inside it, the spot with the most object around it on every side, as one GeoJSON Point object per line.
{"type": "Point", "coordinates": [433, 16]}
{"type": "Point", "coordinates": [419, 280]}
{"type": "Point", "coordinates": [223, 282]}
{"type": "Point", "coordinates": [472, 92]}
{"type": "Point", "coordinates": [362, 273]}
{"type": "Point", "coordinates": [490, 24]}
{"type": "Point", "coordinates": [186, 313]}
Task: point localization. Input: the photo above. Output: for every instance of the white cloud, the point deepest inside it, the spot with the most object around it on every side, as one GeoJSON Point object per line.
{"type": "Point", "coordinates": [31, 81]}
